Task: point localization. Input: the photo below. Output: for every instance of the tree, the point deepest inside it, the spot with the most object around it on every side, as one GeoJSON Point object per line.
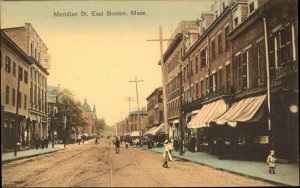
{"type": "Point", "coordinates": [70, 109]}
{"type": "Point", "coordinates": [100, 125]}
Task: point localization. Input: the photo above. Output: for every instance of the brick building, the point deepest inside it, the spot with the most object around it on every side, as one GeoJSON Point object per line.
{"type": "Point", "coordinates": [154, 109]}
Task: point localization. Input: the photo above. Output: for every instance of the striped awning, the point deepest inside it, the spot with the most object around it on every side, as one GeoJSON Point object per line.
{"type": "Point", "coordinates": [160, 129]}
{"type": "Point", "coordinates": [243, 110]}
{"type": "Point", "coordinates": [150, 130]}
{"type": "Point", "coordinates": [207, 113]}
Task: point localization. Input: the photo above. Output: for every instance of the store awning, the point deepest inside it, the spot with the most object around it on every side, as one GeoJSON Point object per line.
{"type": "Point", "coordinates": [159, 130]}
{"type": "Point", "coordinates": [150, 130]}
{"type": "Point", "coordinates": [135, 133]}
{"type": "Point", "coordinates": [243, 110]}
{"type": "Point", "coordinates": [207, 113]}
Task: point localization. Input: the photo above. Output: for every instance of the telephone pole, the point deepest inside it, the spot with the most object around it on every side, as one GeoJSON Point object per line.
{"type": "Point", "coordinates": [137, 100]}
{"type": "Point", "coordinates": [129, 99]}
{"type": "Point", "coordinates": [164, 79]}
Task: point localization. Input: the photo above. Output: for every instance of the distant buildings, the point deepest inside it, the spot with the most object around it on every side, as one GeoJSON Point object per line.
{"type": "Point", "coordinates": [90, 117]}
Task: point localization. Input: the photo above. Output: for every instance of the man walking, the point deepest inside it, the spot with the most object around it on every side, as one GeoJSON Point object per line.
{"type": "Point", "coordinates": [117, 145]}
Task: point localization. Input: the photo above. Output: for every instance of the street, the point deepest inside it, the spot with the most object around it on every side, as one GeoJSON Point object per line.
{"type": "Point", "coordinates": [89, 165]}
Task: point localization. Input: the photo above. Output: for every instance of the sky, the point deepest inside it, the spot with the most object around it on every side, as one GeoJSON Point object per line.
{"type": "Point", "coordinates": [96, 56]}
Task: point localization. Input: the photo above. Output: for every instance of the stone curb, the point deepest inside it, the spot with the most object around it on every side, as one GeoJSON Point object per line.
{"type": "Point", "coordinates": [34, 155]}
{"type": "Point", "coordinates": [230, 171]}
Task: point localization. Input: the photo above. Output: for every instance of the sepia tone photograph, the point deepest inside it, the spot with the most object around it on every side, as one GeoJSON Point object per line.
{"type": "Point", "coordinates": [149, 93]}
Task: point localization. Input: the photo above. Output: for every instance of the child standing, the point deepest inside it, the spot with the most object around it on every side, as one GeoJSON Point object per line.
{"type": "Point", "coordinates": [271, 162]}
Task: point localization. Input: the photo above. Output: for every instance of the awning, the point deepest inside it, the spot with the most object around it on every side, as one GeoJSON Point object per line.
{"type": "Point", "coordinates": [135, 133]}
{"type": "Point", "coordinates": [243, 110]}
{"type": "Point", "coordinates": [207, 113]}
{"type": "Point", "coordinates": [175, 121]}
{"type": "Point", "coordinates": [150, 130]}
{"type": "Point", "coordinates": [159, 129]}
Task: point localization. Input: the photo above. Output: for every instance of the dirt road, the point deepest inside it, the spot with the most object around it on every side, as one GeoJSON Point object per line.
{"type": "Point", "coordinates": [93, 165]}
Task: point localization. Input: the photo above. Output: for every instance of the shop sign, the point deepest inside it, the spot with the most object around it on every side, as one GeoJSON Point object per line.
{"type": "Point", "coordinates": [261, 139]}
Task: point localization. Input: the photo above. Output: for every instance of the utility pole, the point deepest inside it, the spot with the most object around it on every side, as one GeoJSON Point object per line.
{"type": "Point", "coordinates": [17, 113]}
{"type": "Point", "coordinates": [164, 79]}
{"type": "Point", "coordinates": [129, 99]}
{"type": "Point", "coordinates": [137, 99]}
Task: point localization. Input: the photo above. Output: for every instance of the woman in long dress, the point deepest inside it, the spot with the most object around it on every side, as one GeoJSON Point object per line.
{"type": "Point", "coordinates": [166, 154]}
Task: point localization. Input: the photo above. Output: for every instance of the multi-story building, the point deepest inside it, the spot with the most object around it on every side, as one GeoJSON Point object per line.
{"type": "Point", "coordinates": [52, 97]}
{"type": "Point", "coordinates": [206, 73]}
{"type": "Point", "coordinates": [15, 64]}
{"type": "Point", "coordinates": [30, 42]}
{"type": "Point", "coordinates": [154, 109]}
{"type": "Point", "coordinates": [267, 37]}
{"type": "Point", "coordinates": [182, 39]}
{"type": "Point", "coordinates": [137, 121]}
{"type": "Point", "coordinates": [237, 97]}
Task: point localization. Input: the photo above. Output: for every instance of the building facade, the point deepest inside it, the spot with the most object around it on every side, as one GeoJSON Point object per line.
{"type": "Point", "coordinates": [90, 117]}
{"type": "Point", "coordinates": [30, 42]}
{"type": "Point", "coordinates": [14, 64]}
{"type": "Point", "coordinates": [155, 108]}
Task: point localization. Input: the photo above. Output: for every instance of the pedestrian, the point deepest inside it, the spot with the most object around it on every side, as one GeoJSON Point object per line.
{"type": "Point", "coordinates": [117, 145]}
{"type": "Point", "coordinates": [46, 142]}
{"type": "Point", "coordinates": [166, 155]}
{"type": "Point", "coordinates": [126, 144]}
{"type": "Point", "coordinates": [271, 162]}
{"type": "Point", "coordinates": [37, 143]}
{"type": "Point", "coordinates": [42, 141]}
{"type": "Point", "coordinates": [220, 147]}
{"type": "Point", "coordinates": [96, 141]}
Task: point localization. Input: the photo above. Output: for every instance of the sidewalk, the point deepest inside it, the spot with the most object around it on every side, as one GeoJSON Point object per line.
{"type": "Point", "coordinates": [286, 174]}
{"type": "Point", "coordinates": [5, 157]}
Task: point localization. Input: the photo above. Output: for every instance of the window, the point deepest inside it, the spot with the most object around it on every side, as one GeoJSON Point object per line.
{"type": "Point", "coordinates": [25, 101]}
{"type": "Point", "coordinates": [35, 76]}
{"type": "Point", "coordinates": [203, 58]}
{"type": "Point", "coordinates": [207, 85]}
{"type": "Point", "coordinates": [196, 63]}
{"type": "Point", "coordinates": [202, 88]}
{"type": "Point", "coordinates": [197, 90]}
{"type": "Point", "coordinates": [261, 62]}
{"type": "Point", "coordinates": [251, 7]}
{"type": "Point", "coordinates": [183, 75]}
{"type": "Point", "coordinates": [227, 38]}
{"type": "Point", "coordinates": [14, 69]}
{"type": "Point", "coordinates": [31, 94]}
{"type": "Point", "coordinates": [20, 73]}
{"type": "Point", "coordinates": [25, 77]}
{"type": "Point", "coordinates": [285, 44]}
{"type": "Point", "coordinates": [242, 70]}
{"type": "Point", "coordinates": [220, 42]}
{"type": "Point", "coordinates": [30, 73]}
{"type": "Point", "coordinates": [192, 71]}
{"type": "Point", "coordinates": [7, 95]}
{"type": "Point", "coordinates": [220, 76]}
{"type": "Point", "coordinates": [31, 48]}
{"type": "Point", "coordinates": [7, 64]}
{"type": "Point", "coordinates": [228, 80]}
{"type": "Point", "coordinates": [238, 61]}
{"type": "Point", "coordinates": [214, 84]}
{"type": "Point", "coordinates": [19, 100]}
{"type": "Point", "coordinates": [213, 49]}
{"type": "Point", "coordinates": [13, 97]}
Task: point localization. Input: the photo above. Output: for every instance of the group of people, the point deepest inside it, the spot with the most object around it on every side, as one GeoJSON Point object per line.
{"type": "Point", "coordinates": [41, 142]}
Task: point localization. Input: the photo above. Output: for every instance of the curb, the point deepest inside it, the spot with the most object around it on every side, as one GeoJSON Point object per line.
{"type": "Point", "coordinates": [230, 171]}
{"type": "Point", "coordinates": [34, 155]}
